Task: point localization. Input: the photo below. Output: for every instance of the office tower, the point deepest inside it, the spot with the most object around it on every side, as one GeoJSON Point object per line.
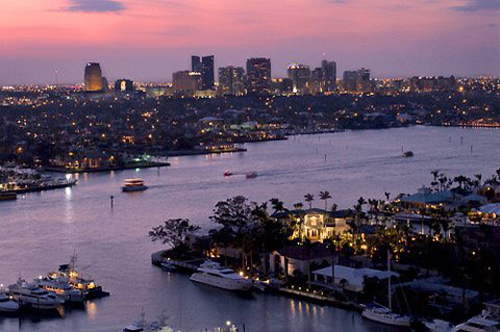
{"type": "Point", "coordinates": [231, 80]}
{"type": "Point", "coordinates": [196, 63]}
{"type": "Point", "coordinates": [258, 76]}
{"type": "Point", "coordinates": [204, 66]}
{"type": "Point", "coordinates": [357, 81]}
{"type": "Point", "coordinates": [186, 82]}
{"type": "Point", "coordinates": [124, 86]}
{"type": "Point", "coordinates": [93, 77]}
{"type": "Point", "coordinates": [301, 78]}
{"type": "Point", "coordinates": [324, 78]}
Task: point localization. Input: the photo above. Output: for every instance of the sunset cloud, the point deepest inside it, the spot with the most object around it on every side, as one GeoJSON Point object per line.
{"type": "Point", "coordinates": [102, 6]}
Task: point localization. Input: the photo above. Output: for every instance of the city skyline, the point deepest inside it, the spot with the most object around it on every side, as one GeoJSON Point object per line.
{"type": "Point", "coordinates": [148, 41]}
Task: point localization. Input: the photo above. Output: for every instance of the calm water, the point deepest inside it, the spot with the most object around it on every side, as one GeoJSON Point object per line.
{"type": "Point", "coordinates": [41, 230]}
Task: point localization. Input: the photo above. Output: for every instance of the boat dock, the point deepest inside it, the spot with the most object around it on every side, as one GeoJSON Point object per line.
{"type": "Point", "coordinates": [318, 297]}
{"type": "Point", "coordinates": [191, 265]}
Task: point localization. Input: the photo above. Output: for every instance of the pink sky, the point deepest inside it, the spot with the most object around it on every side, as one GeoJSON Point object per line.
{"type": "Point", "coordinates": [149, 39]}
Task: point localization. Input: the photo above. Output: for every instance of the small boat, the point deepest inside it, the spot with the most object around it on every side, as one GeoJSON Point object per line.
{"type": "Point", "coordinates": [132, 185]}
{"type": "Point", "coordinates": [251, 175]}
{"type": "Point", "coordinates": [408, 154]}
{"type": "Point", "coordinates": [438, 325]}
{"type": "Point", "coordinates": [6, 304]}
{"type": "Point", "coordinates": [8, 196]}
{"type": "Point", "coordinates": [227, 173]}
{"type": "Point", "coordinates": [168, 266]}
{"type": "Point", "coordinates": [33, 296]}
{"type": "Point", "coordinates": [144, 326]}
{"type": "Point", "coordinates": [212, 273]}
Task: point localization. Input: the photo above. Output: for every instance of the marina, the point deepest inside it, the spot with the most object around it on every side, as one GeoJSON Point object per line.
{"type": "Point", "coordinates": [80, 218]}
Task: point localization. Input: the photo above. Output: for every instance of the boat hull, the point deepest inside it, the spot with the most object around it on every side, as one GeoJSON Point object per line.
{"type": "Point", "coordinates": [134, 189]}
{"type": "Point", "coordinates": [228, 284]}
{"type": "Point", "coordinates": [388, 319]}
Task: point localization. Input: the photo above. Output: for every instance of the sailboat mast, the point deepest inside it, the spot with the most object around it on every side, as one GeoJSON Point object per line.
{"type": "Point", "coordinates": [389, 290]}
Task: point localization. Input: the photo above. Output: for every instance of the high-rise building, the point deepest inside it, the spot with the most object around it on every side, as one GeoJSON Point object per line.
{"type": "Point", "coordinates": [186, 82]}
{"type": "Point", "coordinates": [231, 80]}
{"type": "Point", "coordinates": [301, 78]}
{"type": "Point", "coordinates": [324, 78]}
{"type": "Point", "coordinates": [258, 76]}
{"type": "Point", "coordinates": [93, 77]}
{"type": "Point", "coordinates": [357, 81]}
{"type": "Point", "coordinates": [204, 66]}
{"type": "Point", "coordinates": [124, 86]}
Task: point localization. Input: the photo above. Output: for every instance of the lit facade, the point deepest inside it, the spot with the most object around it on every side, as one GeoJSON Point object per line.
{"type": "Point", "coordinates": [258, 76]}
{"type": "Point", "coordinates": [93, 77]}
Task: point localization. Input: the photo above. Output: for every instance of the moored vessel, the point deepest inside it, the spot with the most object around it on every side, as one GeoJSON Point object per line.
{"type": "Point", "coordinates": [212, 273]}
{"type": "Point", "coordinates": [33, 296]}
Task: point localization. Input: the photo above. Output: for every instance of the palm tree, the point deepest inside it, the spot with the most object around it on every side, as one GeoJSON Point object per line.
{"type": "Point", "coordinates": [278, 205]}
{"type": "Point", "coordinates": [478, 179]}
{"type": "Point", "coordinates": [298, 206]}
{"type": "Point", "coordinates": [387, 196]}
{"type": "Point", "coordinates": [309, 198]}
{"type": "Point", "coordinates": [325, 195]}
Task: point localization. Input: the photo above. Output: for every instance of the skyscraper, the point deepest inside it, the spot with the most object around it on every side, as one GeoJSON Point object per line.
{"type": "Point", "coordinates": [93, 77]}
{"type": "Point", "coordinates": [231, 80]}
{"type": "Point", "coordinates": [301, 78]}
{"type": "Point", "coordinates": [258, 76]}
{"type": "Point", "coordinates": [124, 86]}
{"type": "Point", "coordinates": [324, 78]}
{"type": "Point", "coordinates": [204, 66]}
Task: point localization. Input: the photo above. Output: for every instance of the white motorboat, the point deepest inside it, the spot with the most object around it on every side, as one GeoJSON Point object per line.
{"type": "Point", "coordinates": [438, 325]}
{"type": "Point", "coordinates": [480, 323]}
{"type": "Point", "coordinates": [383, 314]}
{"type": "Point", "coordinates": [132, 185]}
{"type": "Point", "coordinates": [144, 326]}
{"type": "Point", "coordinates": [6, 304]}
{"type": "Point", "coordinates": [62, 288]}
{"type": "Point", "coordinates": [33, 296]}
{"type": "Point", "coordinates": [212, 273]}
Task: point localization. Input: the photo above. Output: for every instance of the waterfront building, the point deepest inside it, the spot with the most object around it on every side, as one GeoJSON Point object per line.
{"type": "Point", "coordinates": [124, 86]}
{"type": "Point", "coordinates": [357, 81]}
{"type": "Point", "coordinates": [231, 81]}
{"type": "Point", "coordinates": [204, 66]}
{"type": "Point", "coordinates": [297, 259]}
{"type": "Point", "coordinates": [316, 224]}
{"type": "Point", "coordinates": [93, 80]}
{"type": "Point", "coordinates": [301, 78]}
{"type": "Point", "coordinates": [350, 279]}
{"type": "Point", "coordinates": [186, 82]}
{"type": "Point", "coordinates": [258, 76]}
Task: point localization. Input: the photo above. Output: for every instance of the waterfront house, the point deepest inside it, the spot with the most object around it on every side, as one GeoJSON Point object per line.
{"type": "Point", "coordinates": [425, 198]}
{"type": "Point", "coordinates": [293, 259]}
{"type": "Point", "coordinates": [351, 279]}
{"type": "Point", "coordinates": [316, 224]}
{"type": "Point", "coordinates": [491, 192]}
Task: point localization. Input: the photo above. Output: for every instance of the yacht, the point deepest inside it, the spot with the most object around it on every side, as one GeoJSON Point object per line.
{"type": "Point", "coordinates": [62, 288]}
{"type": "Point", "coordinates": [383, 314]}
{"type": "Point", "coordinates": [251, 175]}
{"type": "Point", "coordinates": [212, 273]}
{"type": "Point", "coordinates": [132, 185]}
{"type": "Point", "coordinates": [480, 323]}
{"type": "Point", "coordinates": [33, 296]}
{"type": "Point", "coordinates": [6, 303]}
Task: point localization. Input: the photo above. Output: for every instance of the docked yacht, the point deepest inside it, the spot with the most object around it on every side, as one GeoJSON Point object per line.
{"type": "Point", "coordinates": [61, 287]}
{"type": "Point", "coordinates": [33, 296]}
{"type": "Point", "coordinates": [212, 273]}
{"type": "Point", "coordinates": [383, 314]}
{"type": "Point", "coordinates": [6, 303]}
{"type": "Point", "coordinates": [480, 323]}
{"type": "Point", "coordinates": [132, 185]}
{"type": "Point", "coordinates": [69, 273]}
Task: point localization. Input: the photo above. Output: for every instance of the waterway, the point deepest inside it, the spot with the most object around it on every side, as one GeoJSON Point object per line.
{"type": "Point", "coordinates": [41, 230]}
